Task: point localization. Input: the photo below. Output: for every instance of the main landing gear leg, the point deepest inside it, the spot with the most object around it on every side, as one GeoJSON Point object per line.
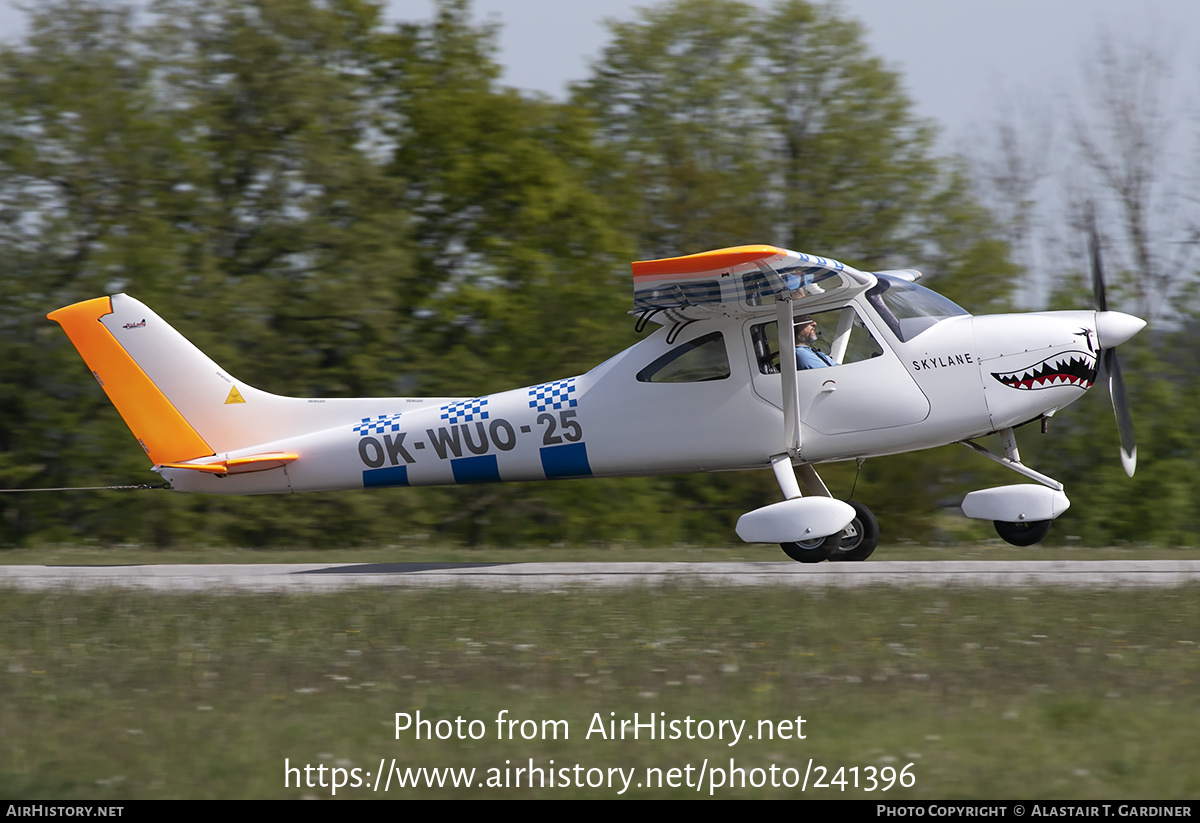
{"type": "Point", "coordinates": [802, 551]}
{"type": "Point", "coordinates": [855, 542]}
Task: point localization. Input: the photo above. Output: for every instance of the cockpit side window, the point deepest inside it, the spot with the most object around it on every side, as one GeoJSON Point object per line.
{"type": "Point", "coordinates": [909, 309]}
{"type": "Point", "coordinates": [695, 361]}
{"type": "Point", "coordinates": [840, 334]}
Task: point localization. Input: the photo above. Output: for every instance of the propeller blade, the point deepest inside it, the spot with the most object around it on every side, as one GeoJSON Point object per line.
{"type": "Point", "coordinates": [1120, 401]}
{"type": "Point", "coordinates": [1097, 267]}
{"type": "Point", "coordinates": [1117, 328]}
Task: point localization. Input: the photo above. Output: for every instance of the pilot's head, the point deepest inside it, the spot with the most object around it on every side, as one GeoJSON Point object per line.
{"type": "Point", "coordinates": [806, 329]}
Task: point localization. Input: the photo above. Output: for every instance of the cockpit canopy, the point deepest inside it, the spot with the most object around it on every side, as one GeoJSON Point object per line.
{"type": "Point", "coordinates": [909, 309]}
{"type": "Point", "coordinates": [746, 281]}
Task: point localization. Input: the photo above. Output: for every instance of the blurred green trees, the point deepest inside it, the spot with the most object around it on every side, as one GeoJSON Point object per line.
{"type": "Point", "coordinates": [331, 205]}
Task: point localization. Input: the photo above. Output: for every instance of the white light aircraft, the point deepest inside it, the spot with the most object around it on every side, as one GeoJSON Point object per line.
{"type": "Point", "coordinates": [707, 391]}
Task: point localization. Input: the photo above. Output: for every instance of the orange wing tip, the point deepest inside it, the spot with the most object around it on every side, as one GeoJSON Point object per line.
{"type": "Point", "coordinates": [238, 465]}
{"type": "Point", "coordinates": [705, 262]}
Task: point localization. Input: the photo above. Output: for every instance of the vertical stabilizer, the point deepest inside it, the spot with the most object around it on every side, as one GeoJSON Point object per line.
{"type": "Point", "coordinates": [156, 423]}
{"type": "Point", "coordinates": [179, 403]}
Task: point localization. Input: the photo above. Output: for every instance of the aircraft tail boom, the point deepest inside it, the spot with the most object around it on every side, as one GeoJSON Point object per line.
{"type": "Point", "coordinates": [183, 407]}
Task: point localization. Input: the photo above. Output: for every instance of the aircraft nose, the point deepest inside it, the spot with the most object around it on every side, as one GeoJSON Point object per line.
{"type": "Point", "coordinates": [1113, 328]}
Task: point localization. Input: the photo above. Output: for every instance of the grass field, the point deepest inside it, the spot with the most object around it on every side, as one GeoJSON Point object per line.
{"type": "Point", "coordinates": [987, 694]}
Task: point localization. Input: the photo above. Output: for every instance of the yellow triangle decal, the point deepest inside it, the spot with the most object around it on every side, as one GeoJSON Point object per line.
{"type": "Point", "coordinates": [234, 397]}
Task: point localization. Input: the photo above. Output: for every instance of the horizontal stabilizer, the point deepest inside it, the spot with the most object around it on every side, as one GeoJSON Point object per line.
{"type": "Point", "coordinates": [238, 465]}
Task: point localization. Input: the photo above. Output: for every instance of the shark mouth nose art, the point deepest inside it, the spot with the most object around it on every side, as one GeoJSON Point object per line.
{"type": "Point", "coordinates": [1072, 368]}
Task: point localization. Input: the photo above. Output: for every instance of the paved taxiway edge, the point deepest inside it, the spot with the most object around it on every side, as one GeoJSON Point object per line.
{"type": "Point", "coordinates": [324, 577]}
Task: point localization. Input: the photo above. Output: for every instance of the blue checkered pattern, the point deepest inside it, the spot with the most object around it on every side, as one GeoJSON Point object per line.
{"type": "Point", "coordinates": [465, 411]}
{"type": "Point", "coordinates": [380, 425]}
{"type": "Point", "coordinates": [556, 395]}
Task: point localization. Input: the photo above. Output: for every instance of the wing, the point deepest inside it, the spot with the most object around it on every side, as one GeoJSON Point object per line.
{"type": "Point", "coordinates": [741, 280]}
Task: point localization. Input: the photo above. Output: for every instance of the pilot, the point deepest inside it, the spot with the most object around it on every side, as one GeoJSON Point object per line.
{"type": "Point", "coordinates": [806, 356]}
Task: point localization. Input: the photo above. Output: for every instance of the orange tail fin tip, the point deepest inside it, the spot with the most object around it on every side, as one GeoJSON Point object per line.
{"type": "Point", "coordinates": [162, 431]}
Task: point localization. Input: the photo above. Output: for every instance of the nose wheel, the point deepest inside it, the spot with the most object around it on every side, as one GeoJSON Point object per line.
{"type": "Point", "coordinates": [855, 542]}
{"type": "Point", "coordinates": [1024, 533]}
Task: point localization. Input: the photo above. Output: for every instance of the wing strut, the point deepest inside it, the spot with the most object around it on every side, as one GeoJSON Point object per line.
{"type": "Point", "coordinates": [785, 473]}
{"type": "Point", "coordinates": [785, 323]}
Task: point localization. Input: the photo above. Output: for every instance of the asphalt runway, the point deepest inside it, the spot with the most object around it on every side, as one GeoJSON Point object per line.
{"type": "Point", "coordinates": [325, 577]}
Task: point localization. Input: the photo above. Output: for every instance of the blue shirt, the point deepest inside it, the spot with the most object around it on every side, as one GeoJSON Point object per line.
{"type": "Point", "coordinates": [807, 358]}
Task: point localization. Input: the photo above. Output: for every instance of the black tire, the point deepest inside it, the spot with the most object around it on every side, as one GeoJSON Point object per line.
{"type": "Point", "coordinates": [858, 540]}
{"type": "Point", "coordinates": [1022, 534]}
{"type": "Point", "coordinates": [811, 551]}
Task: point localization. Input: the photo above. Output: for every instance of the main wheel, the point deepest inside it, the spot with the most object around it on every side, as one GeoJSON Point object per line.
{"type": "Point", "coordinates": [1024, 533]}
{"type": "Point", "coordinates": [858, 540]}
{"type": "Point", "coordinates": [811, 551]}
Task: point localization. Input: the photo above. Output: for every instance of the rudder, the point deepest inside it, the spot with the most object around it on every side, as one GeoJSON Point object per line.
{"type": "Point", "coordinates": [179, 404]}
{"type": "Point", "coordinates": [158, 426]}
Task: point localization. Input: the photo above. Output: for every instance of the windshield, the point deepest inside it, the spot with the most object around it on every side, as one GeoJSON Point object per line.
{"type": "Point", "coordinates": [909, 309]}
